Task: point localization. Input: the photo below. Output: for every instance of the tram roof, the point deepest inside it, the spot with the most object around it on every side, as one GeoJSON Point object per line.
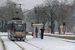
{"type": "Point", "coordinates": [14, 21]}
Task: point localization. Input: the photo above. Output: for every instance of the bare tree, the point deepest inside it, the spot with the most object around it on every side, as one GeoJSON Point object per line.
{"type": "Point", "coordinates": [9, 10]}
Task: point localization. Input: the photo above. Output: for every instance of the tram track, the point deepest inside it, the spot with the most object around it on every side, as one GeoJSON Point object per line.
{"type": "Point", "coordinates": [28, 44]}
{"type": "Point", "coordinates": [33, 45]}
{"type": "Point", "coordinates": [19, 46]}
{"type": "Point", "coordinates": [4, 48]}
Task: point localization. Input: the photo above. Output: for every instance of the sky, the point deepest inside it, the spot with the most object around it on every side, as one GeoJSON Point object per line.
{"type": "Point", "coordinates": [2, 2]}
{"type": "Point", "coordinates": [27, 4]}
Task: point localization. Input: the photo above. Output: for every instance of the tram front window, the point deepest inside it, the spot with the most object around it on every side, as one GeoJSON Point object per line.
{"type": "Point", "coordinates": [18, 27]}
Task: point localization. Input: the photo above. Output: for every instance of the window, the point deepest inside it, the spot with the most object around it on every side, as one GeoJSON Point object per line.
{"type": "Point", "coordinates": [18, 27]}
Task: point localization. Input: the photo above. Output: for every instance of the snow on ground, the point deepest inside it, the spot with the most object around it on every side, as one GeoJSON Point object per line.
{"type": "Point", "coordinates": [51, 43]}
{"type": "Point", "coordinates": [4, 33]}
{"type": "Point", "coordinates": [1, 47]}
{"type": "Point", "coordinates": [48, 43]}
{"type": "Point", "coordinates": [57, 34]}
{"type": "Point", "coordinates": [27, 46]}
{"type": "Point", "coordinates": [9, 44]}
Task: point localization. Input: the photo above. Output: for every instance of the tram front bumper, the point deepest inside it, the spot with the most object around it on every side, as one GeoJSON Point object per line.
{"type": "Point", "coordinates": [19, 36]}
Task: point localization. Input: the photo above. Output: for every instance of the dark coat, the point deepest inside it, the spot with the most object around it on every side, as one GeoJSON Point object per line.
{"type": "Point", "coordinates": [42, 30]}
{"type": "Point", "coordinates": [36, 30]}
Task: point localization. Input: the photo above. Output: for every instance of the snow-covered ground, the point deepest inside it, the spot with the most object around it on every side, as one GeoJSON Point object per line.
{"type": "Point", "coordinates": [1, 47]}
{"type": "Point", "coordinates": [51, 43]}
{"type": "Point", "coordinates": [27, 46]}
{"type": "Point", "coordinates": [9, 45]}
{"type": "Point", "coordinates": [57, 34]}
{"type": "Point", "coordinates": [48, 43]}
{"type": "Point", "coordinates": [4, 33]}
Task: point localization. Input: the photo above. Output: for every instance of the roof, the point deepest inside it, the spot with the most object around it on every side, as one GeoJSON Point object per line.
{"type": "Point", "coordinates": [14, 21]}
{"type": "Point", "coordinates": [38, 24]}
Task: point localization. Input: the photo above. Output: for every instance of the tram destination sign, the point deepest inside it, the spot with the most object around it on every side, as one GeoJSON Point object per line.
{"type": "Point", "coordinates": [18, 21]}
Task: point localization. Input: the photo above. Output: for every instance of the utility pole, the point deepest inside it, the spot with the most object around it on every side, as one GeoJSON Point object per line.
{"type": "Point", "coordinates": [36, 15]}
{"type": "Point", "coordinates": [17, 9]}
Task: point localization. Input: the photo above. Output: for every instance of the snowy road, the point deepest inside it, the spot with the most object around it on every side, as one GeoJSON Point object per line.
{"type": "Point", "coordinates": [51, 43]}
{"type": "Point", "coordinates": [27, 46]}
{"type": "Point", "coordinates": [17, 45]}
{"type": "Point", "coordinates": [1, 45]}
{"type": "Point", "coordinates": [9, 45]}
{"type": "Point", "coordinates": [48, 43]}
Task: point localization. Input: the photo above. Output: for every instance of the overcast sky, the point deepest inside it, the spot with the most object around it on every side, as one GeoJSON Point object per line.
{"type": "Point", "coordinates": [28, 4]}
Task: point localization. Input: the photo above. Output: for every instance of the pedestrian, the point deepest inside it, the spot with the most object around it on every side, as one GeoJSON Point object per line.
{"type": "Point", "coordinates": [42, 31]}
{"type": "Point", "coordinates": [36, 30]}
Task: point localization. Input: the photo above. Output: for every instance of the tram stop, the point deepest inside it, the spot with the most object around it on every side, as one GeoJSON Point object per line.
{"type": "Point", "coordinates": [36, 30]}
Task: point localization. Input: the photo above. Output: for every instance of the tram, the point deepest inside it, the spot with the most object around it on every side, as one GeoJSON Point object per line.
{"type": "Point", "coordinates": [16, 29]}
